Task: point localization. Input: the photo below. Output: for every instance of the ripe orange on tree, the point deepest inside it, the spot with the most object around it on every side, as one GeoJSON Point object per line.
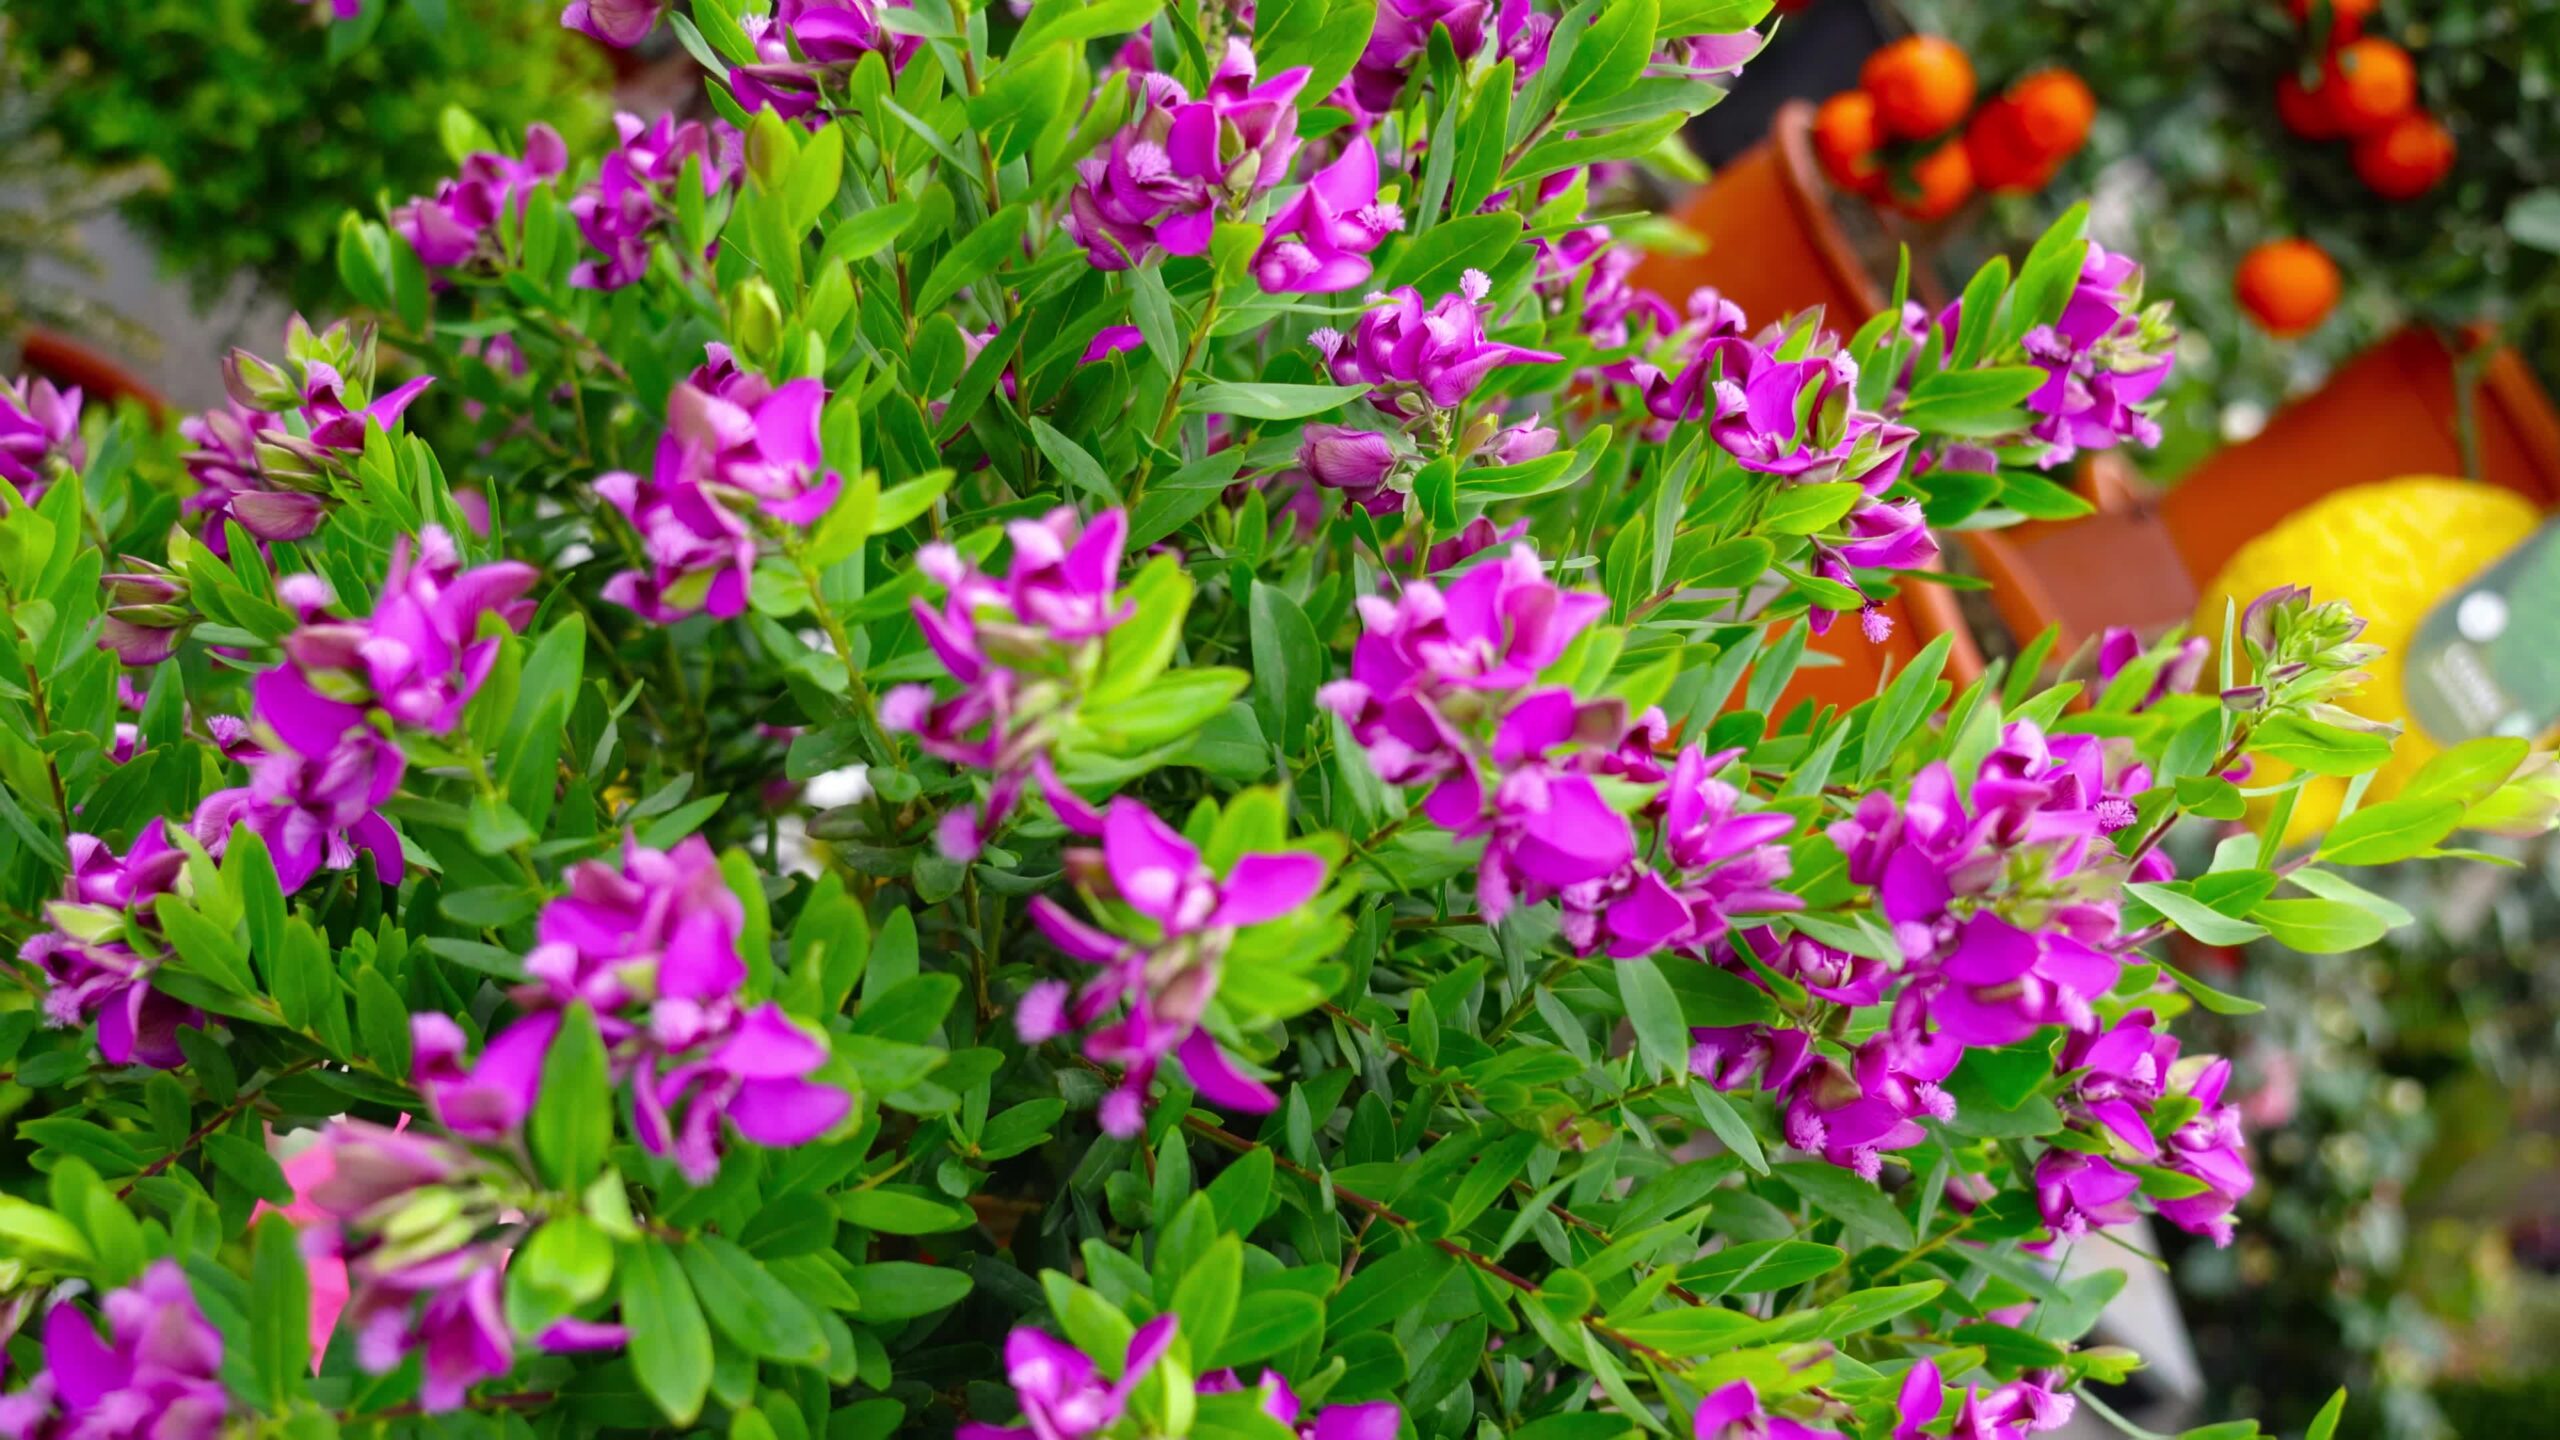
{"type": "Point", "coordinates": [2304, 109]}
{"type": "Point", "coordinates": [2054, 109]}
{"type": "Point", "coordinates": [1939, 182]}
{"type": "Point", "coordinates": [1922, 85]}
{"type": "Point", "coordinates": [1846, 138]}
{"type": "Point", "coordinates": [2346, 17]}
{"type": "Point", "coordinates": [2369, 84]}
{"type": "Point", "coordinates": [2406, 158]}
{"type": "Point", "coordinates": [2287, 286]}
{"type": "Point", "coordinates": [2002, 157]}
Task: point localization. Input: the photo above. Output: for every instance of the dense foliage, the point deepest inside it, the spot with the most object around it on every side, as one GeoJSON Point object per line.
{"type": "Point", "coordinates": [1081, 727]}
{"type": "Point", "coordinates": [265, 126]}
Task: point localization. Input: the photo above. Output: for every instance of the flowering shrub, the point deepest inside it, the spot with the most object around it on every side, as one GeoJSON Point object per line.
{"type": "Point", "coordinates": [1042, 755]}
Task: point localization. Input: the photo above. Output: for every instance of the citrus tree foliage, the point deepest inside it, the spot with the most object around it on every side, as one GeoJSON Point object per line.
{"type": "Point", "coordinates": [1077, 725]}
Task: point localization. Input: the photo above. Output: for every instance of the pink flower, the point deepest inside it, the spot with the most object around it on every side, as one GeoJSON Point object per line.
{"type": "Point", "coordinates": [1319, 240]}
{"type": "Point", "coordinates": [1415, 357]}
{"type": "Point", "coordinates": [1165, 976]}
{"type": "Point", "coordinates": [1165, 179]}
{"type": "Point", "coordinates": [451, 228]}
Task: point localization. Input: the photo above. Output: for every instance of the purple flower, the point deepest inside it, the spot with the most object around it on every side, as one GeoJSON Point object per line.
{"type": "Point", "coordinates": [1402, 32]}
{"type": "Point", "coordinates": [1319, 240]}
{"type": "Point", "coordinates": [1732, 1056]}
{"type": "Point", "coordinates": [1479, 536]}
{"type": "Point", "coordinates": [1586, 273]}
{"type": "Point", "coordinates": [2209, 1148]}
{"type": "Point", "coordinates": [420, 656]}
{"type": "Point", "coordinates": [2123, 1069]}
{"type": "Point", "coordinates": [756, 1077]}
{"type": "Point", "coordinates": [155, 1377]}
{"type": "Point", "coordinates": [224, 464]}
{"type": "Point", "coordinates": [699, 552]}
{"type": "Point", "coordinates": [1734, 1413]}
{"type": "Point", "coordinates": [2103, 361]}
{"type": "Point", "coordinates": [90, 968]}
{"type": "Point", "coordinates": [1165, 179]}
{"type": "Point", "coordinates": [314, 808]}
{"type": "Point", "coordinates": [652, 949]}
{"type": "Point", "coordinates": [451, 228]}
{"type": "Point", "coordinates": [1415, 357]}
{"type": "Point", "coordinates": [2077, 1193]}
{"type": "Point", "coordinates": [1167, 974]}
{"type": "Point", "coordinates": [830, 37]}
{"type": "Point", "coordinates": [1062, 1395]}
{"type": "Point", "coordinates": [1355, 462]}
{"type": "Point", "coordinates": [618, 23]}
{"type": "Point", "coordinates": [634, 192]}
{"type": "Point", "coordinates": [2180, 668]}
{"type": "Point", "coordinates": [734, 443]}
{"type": "Point", "coordinates": [38, 425]}
{"type": "Point", "coordinates": [995, 637]}
{"type": "Point", "coordinates": [1375, 1420]}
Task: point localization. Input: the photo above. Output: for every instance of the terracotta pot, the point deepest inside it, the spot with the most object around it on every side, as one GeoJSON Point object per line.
{"type": "Point", "coordinates": [1775, 246]}
{"type": "Point", "coordinates": [101, 378]}
{"type": "Point", "coordinates": [2388, 413]}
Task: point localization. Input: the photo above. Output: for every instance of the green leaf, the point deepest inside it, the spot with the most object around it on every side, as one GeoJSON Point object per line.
{"type": "Point", "coordinates": [973, 257]}
{"type": "Point", "coordinates": [2194, 916]}
{"type": "Point", "coordinates": [1864, 1310]}
{"type": "Point", "coordinates": [2391, 831]}
{"type": "Point", "coordinates": [1662, 1035]}
{"type": "Point", "coordinates": [902, 1290]}
{"type": "Point", "coordinates": [572, 1120]}
{"type": "Point", "coordinates": [1206, 1296]}
{"type": "Point", "coordinates": [1267, 1322]}
{"type": "Point", "coordinates": [2324, 1425]}
{"type": "Point", "coordinates": [1079, 468]}
{"type": "Point", "coordinates": [1288, 664]}
{"type": "Point", "coordinates": [1856, 1203]}
{"type": "Point", "coordinates": [2319, 748]}
{"type": "Point", "coordinates": [382, 1020]}
{"type": "Point", "coordinates": [2533, 221]}
{"type": "Point", "coordinates": [1902, 707]}
{"type": "Point", "coordinates": [2205, 995]}
{"type": "Point", "coordinates": [758, 1313]}
{"type": "Point", "coordinates": [248, 1165]}
{"type": "Point", "coordinates": [1729, 1126]}
{"type": "Point", "coordinates": [1383, 1289]}
{"type": "Point", "coordinates": [1760, 1265]}
{"type": "Point", "coordinates": [2319, 927]}
{"type": "Point", "coordinates": [1689, 1330]}
{"type": "Point", "coordinates": [1261, 400]}
{"type": "Point", "coordinates": [670, 1344]}
{"type": "Point", "coordinates": [1807, 509]}
{"type": "Point", "coordinates": [1971, 403]}
{"type": "Point", "coordinates": [1434, 261]}
{"type": "Point", "coordinates": [280, 1318]}
{"type": "Point", "coordinates": [902, 1210]}
{"type": "Point", "coordinates": [1612, 53]}
{"type": "Point", "coordinates": [2329, 886]}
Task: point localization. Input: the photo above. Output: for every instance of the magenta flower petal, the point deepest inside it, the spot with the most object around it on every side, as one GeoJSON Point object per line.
{"type": "Point", "coordinates": [1218, 1080]}
{"type": "Point", "coordinates": [1266, 887]}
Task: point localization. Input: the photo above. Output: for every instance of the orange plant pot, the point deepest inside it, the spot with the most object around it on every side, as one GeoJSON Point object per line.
{"type": "Point", "coordinates": [1774, 246]}
{"type": "Point", "coordinates": [2391, 411]}
{"type": "Point", "coordinates": [101, 377]}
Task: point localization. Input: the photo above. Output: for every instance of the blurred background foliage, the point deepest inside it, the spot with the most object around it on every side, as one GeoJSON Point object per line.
{"type": "Point", "coordinates": [261, 125]}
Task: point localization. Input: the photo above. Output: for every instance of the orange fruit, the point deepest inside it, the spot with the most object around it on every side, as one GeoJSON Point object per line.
{"type": "Point", "coordinates": [2305, 109]}
{"type": "Point", "coordinates": [2287, 286]}
{"type": "Point", "coordinates": [2346, 17]}
{"type": "Point", "coordinates": [1922, 85]}
{"type": "Point", "coordinates": [2055, 109]}
{"type": "Point", "coordinates": [2369, 84]}
{"type": "Point", "coordinates": [2406, 158]}
{"type": "Point", "coordinates": [1845, 140]}
{"type": "Point", "coordinates": [1940, 181]}
{"type": "Point", "coordinates": [1996, 145]}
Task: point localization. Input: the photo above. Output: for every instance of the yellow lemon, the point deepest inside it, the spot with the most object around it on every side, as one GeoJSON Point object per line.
{"type": "Point", "coordinates": [2392, 550]}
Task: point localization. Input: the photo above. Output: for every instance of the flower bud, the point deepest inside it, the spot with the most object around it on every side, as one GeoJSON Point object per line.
{"type": "Point", "coordinates": [1341, 458]}
{"type": "Point", "coordinates": [755, 319]}
{"type": "Point", "coordinates": [1522, 443]}
{"type": "Point", "coordinates": [258, 384]}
